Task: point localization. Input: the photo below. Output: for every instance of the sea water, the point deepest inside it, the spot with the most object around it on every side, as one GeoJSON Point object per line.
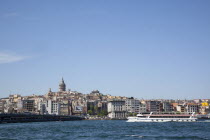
{"type": "Point", "coordinates": [106, 129]}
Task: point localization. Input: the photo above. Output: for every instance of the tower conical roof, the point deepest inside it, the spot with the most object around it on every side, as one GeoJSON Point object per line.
{"type": "Point", "coordinates": [62, 85]}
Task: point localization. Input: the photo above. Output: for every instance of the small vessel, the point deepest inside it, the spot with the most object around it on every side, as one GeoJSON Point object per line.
{"type": "Point", "coordinates": [163, 118]}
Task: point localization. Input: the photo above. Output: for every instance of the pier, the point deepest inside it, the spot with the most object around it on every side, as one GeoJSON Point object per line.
{"type": "Point", "coordinates": [20, 118]}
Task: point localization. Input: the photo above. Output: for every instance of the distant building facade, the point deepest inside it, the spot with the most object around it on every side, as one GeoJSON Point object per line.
{"type": "Point", "coordinates": [190, 108]}
{"type": "Point", "coordinates": [167, 107]}
{"type": "Point", "coordinates": [132, 105]}
{"type": "Point", "coordinates": [180, 108]}
{"type": "Point", "coordinates": [142, 107]}
{"type": "Point", "coordinates": [116, 109]}
{"type": "Point", "coordinates": [2, 102]}
{"type": "Point", "coordinates": [25, 105]}
{"type": "Point", "coordinates": [153, 106]}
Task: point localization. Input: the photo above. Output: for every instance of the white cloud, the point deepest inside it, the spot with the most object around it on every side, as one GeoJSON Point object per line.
{"type": "Point", "coordinates": [9, 58]}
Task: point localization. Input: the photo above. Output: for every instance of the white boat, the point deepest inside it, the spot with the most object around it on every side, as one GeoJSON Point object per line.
{"type": "Point", "coordinates": [163, 118]}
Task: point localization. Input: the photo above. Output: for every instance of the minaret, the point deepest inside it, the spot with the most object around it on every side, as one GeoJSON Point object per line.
{"type": "Point", "coordinates": [62, 86]}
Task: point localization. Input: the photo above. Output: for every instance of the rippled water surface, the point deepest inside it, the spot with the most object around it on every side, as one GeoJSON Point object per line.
{"type": "Point", "coordinates": [106, 129]}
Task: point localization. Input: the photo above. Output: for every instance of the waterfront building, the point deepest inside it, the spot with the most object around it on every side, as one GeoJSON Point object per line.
{"type": "Point", "coordinates": [174, 106]}
{"type": "Point", "coordinates": [192, 107]}
{"type": "Point", "coordinates": [205, 108]}
{"type": "Point", "coordinates": [10, 103]}
{"type": "Point", "coordinates": [142, 107]}
{"type": "Point", "coordinates": [116, 109]}
{"type": "Point", "coordinates": [167, 107]}
{"type": "Point", "coordinates": [43, 107]}
{"type": "Point", "coordinates": [102, 106]}
{"type": "Point", "coordinates": [37, 101]}
{"type": "Point", "coordinates": [153, 106]}
{"type": "Point", "coordinates": [92, 107]}
{"type": "Point", "coordinates": [28, 105]}
{"type": "Point", "coordinates": [79, 106]}
{"type": "Point", "coordinates": [180, 108]}
{"type": "Point", "coordinates": [96, 107]}
{"type": "Point", "coordinates": [65, 107]}
{"type": "Point", "coordinates": [53, 107]}
{"type": "Point", "coordinates": [8, 106]}
{"type": "Point", "coordinates": [132, 105]}
{"type": "Point", "coordinates": [25, 106]}
{"type": "Point", "coordinates": [2, 102]}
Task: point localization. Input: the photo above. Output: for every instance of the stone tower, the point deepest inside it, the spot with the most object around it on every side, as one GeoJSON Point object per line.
{"type": "Point", "coordinates": [62, 86]}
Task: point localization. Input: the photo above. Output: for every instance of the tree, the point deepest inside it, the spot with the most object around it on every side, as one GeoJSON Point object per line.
{"type": "Point", "coordinates": [96, 109]}
{"type": "Point", "coordinates": [130, 114]}
{"type": "Point", "coordinates": [90, 112]}
{"type": "Point", "coordinates": [103, 113]}
{"type": "Point", "coordinates": [92, 107]}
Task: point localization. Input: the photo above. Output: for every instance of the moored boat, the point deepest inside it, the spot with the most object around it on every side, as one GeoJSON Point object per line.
{"type": "Point", "coordinates": [163, 118]}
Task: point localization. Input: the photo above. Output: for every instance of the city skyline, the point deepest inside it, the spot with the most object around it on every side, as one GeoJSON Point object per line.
{"type": "Point", "coordinates": [143, 49]}
{"type": "Point", "coordinates": [62, 87]}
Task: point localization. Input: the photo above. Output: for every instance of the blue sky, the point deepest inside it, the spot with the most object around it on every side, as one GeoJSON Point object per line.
{"type": "Point", "coordinates": [143, 48]}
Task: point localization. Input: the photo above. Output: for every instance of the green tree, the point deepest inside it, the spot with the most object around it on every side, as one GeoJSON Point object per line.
{"type": "Point", "coordinates": [90, 112]}
{"type": "Point", "coordinates": [134, 114]}
{"type": "Point", "coordinates": [96, 109]}
{"type": "Point", "coordinates": [130, 114]}
{"type": "Point", "coordinates": [92, 107]}
{"type": "Point", "coordinates": [103, 113]}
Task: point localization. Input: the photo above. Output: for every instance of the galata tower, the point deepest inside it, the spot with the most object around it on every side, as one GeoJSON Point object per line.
{"type": "Point", "coordinates": [62, 86]}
